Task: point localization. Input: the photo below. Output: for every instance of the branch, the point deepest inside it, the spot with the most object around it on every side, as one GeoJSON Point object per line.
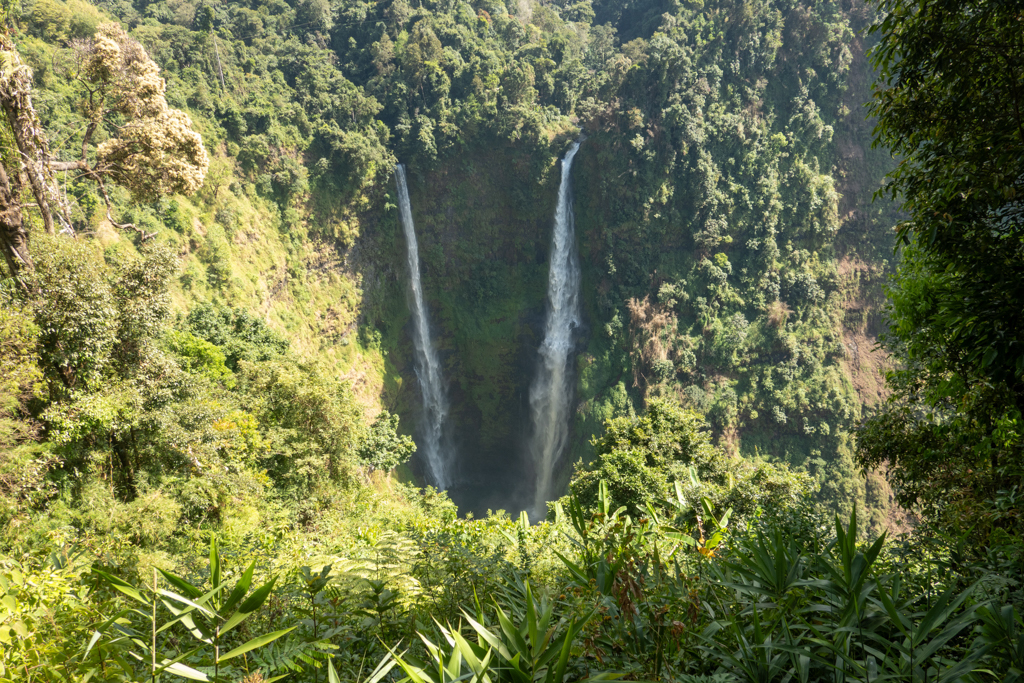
{"type": "Point", "coordinates": [106, 200]}
{"type": "Point", "coordinates": [71, 166]}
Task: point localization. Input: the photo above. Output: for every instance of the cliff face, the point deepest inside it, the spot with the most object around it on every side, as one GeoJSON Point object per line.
{"type": "Point", "coordinates": [731, 257]}
{"type": "Point", "coordinates": [483, 223]}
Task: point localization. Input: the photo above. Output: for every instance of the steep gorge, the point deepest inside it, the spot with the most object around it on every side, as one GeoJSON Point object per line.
{"type": "Point", "coordinates": [725, 181]}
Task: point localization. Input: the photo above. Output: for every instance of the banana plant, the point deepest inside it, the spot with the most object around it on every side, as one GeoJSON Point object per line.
{"type": "Point", "coordinates": [208, 616]}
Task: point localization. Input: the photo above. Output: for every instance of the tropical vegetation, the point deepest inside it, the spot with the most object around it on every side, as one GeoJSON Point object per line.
{"type": "Point", "coordinates": [207, 386]}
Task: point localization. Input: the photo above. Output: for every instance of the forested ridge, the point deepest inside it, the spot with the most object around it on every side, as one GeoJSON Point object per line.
{"type": "Point", "coordinates": [208, 398]}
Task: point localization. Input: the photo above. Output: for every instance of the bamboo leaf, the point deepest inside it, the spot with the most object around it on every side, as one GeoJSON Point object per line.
{"type": "Point", "coordinates": [122, 585]}
{"type": "Point", "coordinates": [531, 621]}
{"type": "Point", "coordinates": [484, 633]}
{"type": "Point", "coordinates": [259, 596]}
{"type": "Point", "coordinates": [179, 669]}
{"type": "Point", "coordinates": [563, 659]}
{"type": "Point", "coordinates": [214, 562]}
{"type": "Point", "coordinates": [255, 643]}
{"type": "Point", "coordinates": [95, 638]}
{"type": "Point", "coordinates": [185, 601]}
{"type": "Point", "coordinates": [412, 672]}
{"type": "Point", "coordinates": [577, 571]}
{"type": "Point", "coordinates": [240, 589]}
{"type": "Point", "coordinates": [383, 669]}
{"type": "Point", "coordinates": [181, 584]}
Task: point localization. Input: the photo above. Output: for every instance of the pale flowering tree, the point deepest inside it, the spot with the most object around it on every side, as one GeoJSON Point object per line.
{"type": "Point", "coordinates": [131, 136]}
{"type": "Point", "coordinates": [151, 149]}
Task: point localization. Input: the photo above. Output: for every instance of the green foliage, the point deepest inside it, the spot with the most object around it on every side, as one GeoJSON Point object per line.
{"type": "Point", "coordinates": [639, 458]}
{"type": "Point", "coordinates": [24, 464]}
{"type": "Point", "coordinates": [830, 614]}
{"type": "Point", "coordinates": [736, 131]}
{"type": "Point", "coordinates": [75, 311]}
{"type": "Point", "coordinates": [207, 616]}
{"type": "Point", "coordinates": [731, 126]}
{"type": "Point", "coordinates": [18, 366]}
{"type": "Point", "coordinates": [198, 355]}
{"type": "Point", "coordinates": [960, 177]}
{"type": "Point", "coordinates": [46, 621]}
{"type": "Point", "coordinates": [383, 448]}
{"type": "Point", "coordinates": [240, 335]}
{"type": "Point", "coordinates": [96, 321]}
{"type": "Point", "coordinates": [59, 22]}
{"type": "Point", "coordinates": [317, 423]}
{"type": "Point", "coordinates": [720, 210]}
{"type": "Point", "coordinates": [949, 434]}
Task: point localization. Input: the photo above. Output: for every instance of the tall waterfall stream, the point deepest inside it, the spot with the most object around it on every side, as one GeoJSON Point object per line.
{"type": "Point", "coordinates": [428, 366]}
{"type": "Point", "coordinates": [552, 389]}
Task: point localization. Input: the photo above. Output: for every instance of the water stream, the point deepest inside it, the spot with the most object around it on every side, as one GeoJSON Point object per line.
{"type": "Point", "coordinates": [552, 388]}
{"type": "Point", "coordinates": [428, 366]}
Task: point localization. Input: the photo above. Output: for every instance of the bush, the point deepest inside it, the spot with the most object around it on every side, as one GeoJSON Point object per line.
{"type": "Point", "coordinates": [240, 335]}
{"type": "Point", "coordinates": [383, 448]}
{"type": "Point", "coordinates": [640, 457]}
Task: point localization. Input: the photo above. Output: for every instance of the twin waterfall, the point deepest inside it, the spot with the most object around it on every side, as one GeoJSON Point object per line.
{"type": "Point", "coordinates": [551, 392]}
{"type": "Point", "coordinates": [552, 389]}
{"type": "Point", "coordinates": [428, 366]}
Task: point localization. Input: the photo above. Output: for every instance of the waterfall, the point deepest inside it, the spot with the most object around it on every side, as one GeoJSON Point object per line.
{"type": "Point", "coordinates": [551, 391]}
{"type": "Point", "coordinates": [428, 366]}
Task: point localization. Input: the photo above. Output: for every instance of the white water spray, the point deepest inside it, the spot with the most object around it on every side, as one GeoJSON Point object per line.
{"type": "Point", "coordinates": [428, 366]}
{"type": "Point", "coordinates": [551, 392]}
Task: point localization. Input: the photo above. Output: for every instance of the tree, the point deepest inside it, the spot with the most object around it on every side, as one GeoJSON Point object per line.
{"type": "Point", "coordinates": [152, 149]}
{"type": "Point", "coordinates": [144, 145]}
{"type": "Point", "coordinates": [949, 101]}
{"type": "Point", "coordinates": [240, 335]}
{"type": "Point", "coordinates": [639, 457]}
{"type": "Point", "coordinates": [383, 448]}
{"type": "Point", "coordinates": [317, 422]}
{"type": "Point", "coordinates": [316, 14]}
{"type": "Point", "coordinates": [32, 163]}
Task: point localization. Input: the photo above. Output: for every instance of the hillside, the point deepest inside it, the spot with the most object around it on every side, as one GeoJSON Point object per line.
{"type": "Point", "coordinates": [724, 189]}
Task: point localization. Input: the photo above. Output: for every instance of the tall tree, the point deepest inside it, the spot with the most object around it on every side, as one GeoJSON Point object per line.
{"type": "Point", "coordinates": [147, 147]}
{"type": "Point", "coordinates": [950, 105]}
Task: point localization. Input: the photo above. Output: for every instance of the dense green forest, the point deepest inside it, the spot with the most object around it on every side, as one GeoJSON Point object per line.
{"type": "Point", "coordinates": [732, 256]}
{"type": "Point", "coordinates": [207, 387]}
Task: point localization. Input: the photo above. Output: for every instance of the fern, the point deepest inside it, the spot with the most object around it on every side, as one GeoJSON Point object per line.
{"type": "Point", "coordinates": [294, 654]}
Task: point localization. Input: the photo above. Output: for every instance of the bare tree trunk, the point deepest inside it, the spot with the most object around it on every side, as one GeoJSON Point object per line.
{"type": "Point", "coordinates": [16, 102]}
{"type": "Point", "coordinates": [13, 236]}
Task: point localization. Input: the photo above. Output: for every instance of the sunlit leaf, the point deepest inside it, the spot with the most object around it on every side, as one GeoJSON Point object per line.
{"type": "Point", "coordinates": [255, 643]}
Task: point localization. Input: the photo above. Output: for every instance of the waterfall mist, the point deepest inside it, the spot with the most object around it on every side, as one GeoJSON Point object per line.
{"type": "Point", "coordinates": [428, 366]}
{"type": "Point", "coordinates": [552, 388]}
